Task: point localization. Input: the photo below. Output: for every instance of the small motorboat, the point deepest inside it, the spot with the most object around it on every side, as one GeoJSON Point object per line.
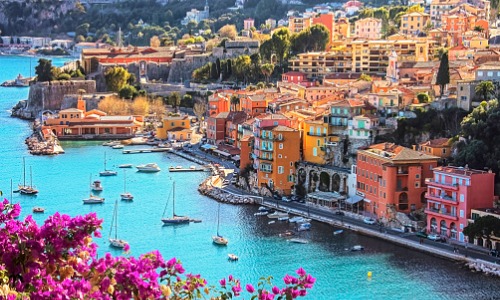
{"type": "Point", "coordinates": [127, 196]}
{"type": "Point", "coordinates": [304, 227]}
{"type": "Point", "coordinates": [119, 146]}
{"type": "Point", "coordinates": [283, 218]}
{"type": "Point", "coordinates": [96, 186]}
{"type": "Point", "coordinates": [38, 209]}
{"type": "Point", "coordinates": [125, 166]}
{"type": "Point", "coordinates": [287, 233]}
{"type": "Point", "coordinates": [297, 219]}
{"type": "Point", "coordinates": [299, 241]}
{"type": "Point", "coordinates": [92, 199]}
{"type": "Point", "coordinates": [232, 257]}
{"type": "Point", "coordinates": [337, 232]}
{"type": "Point", "coordinates": [277, 214]}
{"type": "Point", "coordinates": [260, 213]}
{"type": "Point", "coordinates": [357, 248]}
{"type": "Point", "coordinates": [271, 222]}
{"type": "Point", "coordinates": [263, 208]}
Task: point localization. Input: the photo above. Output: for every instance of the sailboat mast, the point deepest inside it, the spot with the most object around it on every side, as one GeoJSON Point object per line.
{"type": "Point", "coordinates": [218, 220]}
{"type": "Point", "coordinates": [24, 171]}
{"type": "Point", "coordinates": [11, 190]}
{"type": "Point", "coordinates": [173, 200]}
{"type": "Point", "coordinates": [31, 177]}
{"type": "Point", "coordinates": [116, 219]}
{"type": "Point", "coordinates": [124, 181]}
{"type": "Point", "coordinates": [105, 161]}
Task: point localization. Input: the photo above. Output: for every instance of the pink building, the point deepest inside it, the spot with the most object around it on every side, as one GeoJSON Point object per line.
{"type": "Point", "coordinates": [264, 121]}
{"type": "Point", "coordinates": [369, 28]}
{"type": "Point", "coordinates": [248, 23]}
{"type": "Point", "coordinates": [451, 194]}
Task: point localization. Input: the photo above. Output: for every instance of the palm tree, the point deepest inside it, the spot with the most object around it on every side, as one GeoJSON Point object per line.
{"type": "Point", "coordinates": [485, 89]}
{"type": "Point", "coordinates": [267, 70]}
{"type": "Point", "coordinates": [235, 102]}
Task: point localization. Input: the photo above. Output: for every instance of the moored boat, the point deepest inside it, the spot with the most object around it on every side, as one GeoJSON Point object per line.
{"type": "Point", "coordinates": [175, 219]}
{"type": "Point", "coordinates": [115, 241]}
{"type": "Point", "coordinates": [277, 214]}
{"type": "Point", "coordinates": [232, 257]}
{"type": "Point", "coordinates": [304, 227]}
{"type": "Point", "coordinates": [357, 248]}
{"type": "Point", "coordinates": [93, 199]}
{"type": "Point", "coordinates": [107, 172]}
{"type": "Point", "coordinates": [125, 166]}
{"type": "Point", "coordinates": [38, 209]}
{"type": "Point", "coordinates": [148, 168]}
{"type": "Point", "coordinates": [219, 239]}
{"type": "Point", "coordinates": [299, 241]}
{"type": "Point", "coordinates": [96, 186]}
{"type": "Point", "coordinates": [337, 232]}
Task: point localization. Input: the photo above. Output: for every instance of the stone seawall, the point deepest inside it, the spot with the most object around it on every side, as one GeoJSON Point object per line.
{"type": "Point", "coordinates": [49, 96]}
{"type": "Point", "coordinates": [208, 189]}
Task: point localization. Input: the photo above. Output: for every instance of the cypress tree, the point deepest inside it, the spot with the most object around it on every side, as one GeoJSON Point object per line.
{"type": "Point", "coordinates": [217, 65]}
{"type": "Point", "coordinates": [229, 67]}
{"type": "Point", "coordinates": [213, 71]}
{"type": "Point", "coordinates": [443, 75]}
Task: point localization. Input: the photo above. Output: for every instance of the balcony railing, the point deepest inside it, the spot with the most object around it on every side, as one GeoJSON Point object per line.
{"type": "Point", "coordinates": [316, 134]}
{"type": "Point", "coordinates": [431, 181]}
{"type": "Point", "coordinates": [439, 198]}
{"type": "Point", "coordinates": [438, 213]}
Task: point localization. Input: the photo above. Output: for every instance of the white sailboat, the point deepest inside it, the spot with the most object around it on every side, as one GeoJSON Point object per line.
{"type": "Point", "coordinates": [115, 241]}
{"type": "Point", "coordinates": [219, 239]}
{"type": "Point", "coordinates": [27, 189]}
{"type": "Point", "coordinates": [92, 199]}
{"type": "Point", "coordinates": [107, 172]}
{"type": "Point", "coordinates": [175, 219]}
{"type": "Point", "coordinates": [125, 195]}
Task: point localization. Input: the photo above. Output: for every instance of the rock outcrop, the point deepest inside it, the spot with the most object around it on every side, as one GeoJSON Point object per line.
{"type": "Point", "coordinates": [49, 96]}
{"type": "Point", "coordinates": [206, 188]}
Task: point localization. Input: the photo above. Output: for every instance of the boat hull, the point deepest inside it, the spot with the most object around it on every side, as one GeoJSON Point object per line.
{"type": "Point", "coordinates": [127, 197]}
{"type": "Point", "coordinates": [147, 170]}
{"type": "Point", "coordinates": [218, 240]}
{"type": "Point", "coordinates": [117, 243]}
{"type": "Point", "coordinates": [108, 173]}
{"type": "Point", "coordinates": [175, 221]}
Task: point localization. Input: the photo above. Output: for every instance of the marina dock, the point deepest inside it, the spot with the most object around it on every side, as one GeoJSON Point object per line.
{"type": "Point", "coordinates": [148, 150]}
{"type": "Point", "coordinates": [190, 169]}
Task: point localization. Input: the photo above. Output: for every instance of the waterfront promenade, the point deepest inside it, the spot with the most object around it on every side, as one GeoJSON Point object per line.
{"type": "Point", "coordinates": [468, 254]}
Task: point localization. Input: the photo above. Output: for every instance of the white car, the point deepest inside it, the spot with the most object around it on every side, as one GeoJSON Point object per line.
{"type": "Point", "coordinates": [369, 221]}
{"type": "Point", "coordinates": [285, 199]}
{"type": "Point", "coordinates": [434, 237]}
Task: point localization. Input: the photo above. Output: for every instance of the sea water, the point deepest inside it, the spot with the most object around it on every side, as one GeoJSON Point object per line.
{"type": "Point", "coordinates": [63, 181]}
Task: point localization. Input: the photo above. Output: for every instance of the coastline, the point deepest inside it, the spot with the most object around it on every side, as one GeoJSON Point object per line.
{"type": "Point", "coordinates": [211, 187]}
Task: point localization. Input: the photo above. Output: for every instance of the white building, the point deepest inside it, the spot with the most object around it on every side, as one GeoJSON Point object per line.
{"type": "Point", "coordinates": [196, 15]}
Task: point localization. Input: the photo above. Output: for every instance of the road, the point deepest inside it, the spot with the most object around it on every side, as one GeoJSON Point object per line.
{"type": "Point", "coordinates": [311, 209]}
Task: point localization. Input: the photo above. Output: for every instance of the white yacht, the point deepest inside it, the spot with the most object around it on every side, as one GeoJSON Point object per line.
{"type": "Point", "coordinates": [93, 199]}
{"type": "Point", "coordinates": [96, 186]}
{"type": "Point", "coordinates": [151, 167]}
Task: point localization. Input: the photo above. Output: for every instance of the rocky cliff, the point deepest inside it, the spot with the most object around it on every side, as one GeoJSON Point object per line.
{"type": "Point", "coordinates": [49, 96]}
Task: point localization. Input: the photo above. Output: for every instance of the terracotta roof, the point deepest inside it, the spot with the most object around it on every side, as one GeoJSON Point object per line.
{"type": "Point", "coordinates": [283, 128]}
{"type": "Point", "coordinates": [459, 170]}
{"type": "Point", "coordinates": [442, 142]}
{"type": "Point", "coordinates": [222, 115]}
{"type": "Point", "coordinates": [395, 152]}
{"type": "Point", "coordinates": [347, 103]}
{"type": "Point", "coordinates": [237, 117]}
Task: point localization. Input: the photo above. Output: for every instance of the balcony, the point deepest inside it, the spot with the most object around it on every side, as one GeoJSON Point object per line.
{"type": "Point", "coordinates": [448, 186]}
{"type": "Point", "coordinates": [401, 189]}
{"type": "Point", "coordinates": [316, 134]}
{"type": "Point", "coordinates": [266, 158]}
{"type": "Point", "coordinates": [437, 213]}
{"type": "Point", "coordinates": [441, 199]}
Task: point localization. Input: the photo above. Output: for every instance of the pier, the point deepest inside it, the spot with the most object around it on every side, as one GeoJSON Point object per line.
{"type": "Point", "coordinates": [149, 150]}
{"type": "Point", "coordinates": [189, 157]}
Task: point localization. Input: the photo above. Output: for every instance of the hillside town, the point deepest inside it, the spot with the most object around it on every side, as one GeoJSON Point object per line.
{"type": "Point", "coordinates": [314, 107]}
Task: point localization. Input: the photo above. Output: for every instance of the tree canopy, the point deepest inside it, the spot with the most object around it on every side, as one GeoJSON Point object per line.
{"type": "Point", "coordinates": [483, 227]}
{"type": "Point", "coordinates": [44, 70]}
{"type": "Point", "coordinates": [443, 75]}
{"type": "Point", "coordinates": [116, 78]}
{"type": "Point", "coordinates": [486, 89]}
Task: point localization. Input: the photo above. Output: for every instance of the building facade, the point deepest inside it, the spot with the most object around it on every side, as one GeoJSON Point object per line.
{"type": "Point", "coordinates": [451, 194]}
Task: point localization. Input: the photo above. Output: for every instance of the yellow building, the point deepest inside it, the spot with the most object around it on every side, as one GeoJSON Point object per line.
{"type": "Point", "coordinates": [361, 56]}
{"type": "Point", "coordinates": [175, 128]}
{"type": "Point", "coordinates": [315, 139]}
{"type": "Point", "coordinates": [414, 23]}
{"type": "Point", "coordinates": [297, 24]}
{"type": "Point", "coordinates": [369, 28]}
{"type": "Point", "coordinates": [342, 29]}
{"type": "Point", "coordinates": [478, 42]}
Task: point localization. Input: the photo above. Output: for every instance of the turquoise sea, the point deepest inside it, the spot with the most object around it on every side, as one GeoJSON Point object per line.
{"type": "Point", "coordinates": [63, 181]}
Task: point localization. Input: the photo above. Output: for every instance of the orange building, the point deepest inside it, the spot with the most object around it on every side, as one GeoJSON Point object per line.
{"type": "Point", "coordinates": [279, 151]}
{"type": "Point", "coordinates": [246, 145]}
{"type": "Point", "coordinates": [253, 105]}
{"type": "Point", "coordinates": [438, 147]}
{"type": "Point", "coordinates": [219, 102]}
{"type": "Point", "coordinates": [327, 20]}
{"type": "Point", "coordinates": [77, 123]}
{"type": "Point", "coordinates": [392, 178]}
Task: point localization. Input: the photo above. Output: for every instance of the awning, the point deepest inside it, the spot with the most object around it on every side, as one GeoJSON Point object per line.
{"type": "Point", "coordinates": [207, 147]}
{"type": "Point", "coordinates": [236, 157]}
{"type": "Point", "coordinates": [354, 199]}
{"type": "Point", "coordinates": [222, 153]}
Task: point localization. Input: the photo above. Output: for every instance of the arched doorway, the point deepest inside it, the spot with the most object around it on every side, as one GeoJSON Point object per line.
{"type": "Point", "coordinates": [434, 225]}
{"type": "Point", "coordinates": [324, 182]}
{"type": "Point", "coordinates": [453, 231]}
{"type": "Point", "coordinates": [403, 201]}
{"type": "Point", "coordinates": [335, 183]}
{"type": "Point", "coordinates": [442, 228]}
{"type": "Point", "coordinates": [313, 181]}
{"type": "Point", "coordinates": [301, 176]}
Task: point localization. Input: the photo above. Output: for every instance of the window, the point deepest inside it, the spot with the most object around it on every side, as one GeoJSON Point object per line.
{"type": "Point", "coordinates": [315, 151]}
{"type": "Point", "coordinates": [281, 170]}
{"type": "Point", "coordinates": [461, 226]}
{"type": "Point", "coordinates": [281, 145]}
{"type": "Point", "coordinates": [480, 73]}
{"type": "Point", "coordinates": [417, 176]}
{"type": "Point", "coordinates": [417, 184]}
{"type": "Point", "coordinates": [461, 213]}
{"type": "Point", "coordinates": [280, 156]}
{"type": "Point", "coordinates": [462, 198]}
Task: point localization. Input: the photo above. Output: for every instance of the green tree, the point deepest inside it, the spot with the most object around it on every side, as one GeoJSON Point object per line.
{"type": "Point", "coordinates": [486, 89]}
{"type": "Point", "coordinates": [481, 147]}
{"type": "Point", "coordinates": [187, 101]}
{"type": "Point", "coordinates": [365, 77]}
{"type": "Point", "coordinates": [44, 70]}
{"type": "Point", "coordinates": [443, 75]}
{"type": "Point", "coordinates": [423, 98]}
{"type": "Point", "coordinates": [241, 67]}
{"type": "Point", "coordinates": [281, 44]}
{"type": "Point", "coordinates": [415, 8]}
{"type": "Point", "coordinates": [64, 76]}
{"type": "Point", "coordinates": [175, 100]}
{"type": "Point", "coordinates": [267, 70]}
{"type": "Point", "coordinates": [127, 92]}
{"type": "Point", "coordinates": [483, 227]}
{"type": "Point", "coordinates": [235, 103]}
{"type": "Point", "coordinates": [213, 71]}
{"type": "Point", "coordinates": [116, 78]}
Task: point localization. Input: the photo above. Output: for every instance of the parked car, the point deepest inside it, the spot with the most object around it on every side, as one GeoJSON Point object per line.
{"type": "Point", "coordinates": [369, 221]}
{"type": "Point", "coordinates": [339, 213]}
{"type": "Point", "coordinates": [495, 253]}
{"type": "Point", "coordinates": [434, 237]}
{"type": "Point", "coordinates": [285, 199]}
{"type": "Point", "coordinates": [421, 234]}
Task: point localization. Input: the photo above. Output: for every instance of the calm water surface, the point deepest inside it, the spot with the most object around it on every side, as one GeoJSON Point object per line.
{"type": "Point", "coordinates": [63, 182]}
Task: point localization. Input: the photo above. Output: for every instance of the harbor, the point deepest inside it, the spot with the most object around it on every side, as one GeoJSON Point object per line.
{"type": "Point", "coordinates": [63, 181]}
